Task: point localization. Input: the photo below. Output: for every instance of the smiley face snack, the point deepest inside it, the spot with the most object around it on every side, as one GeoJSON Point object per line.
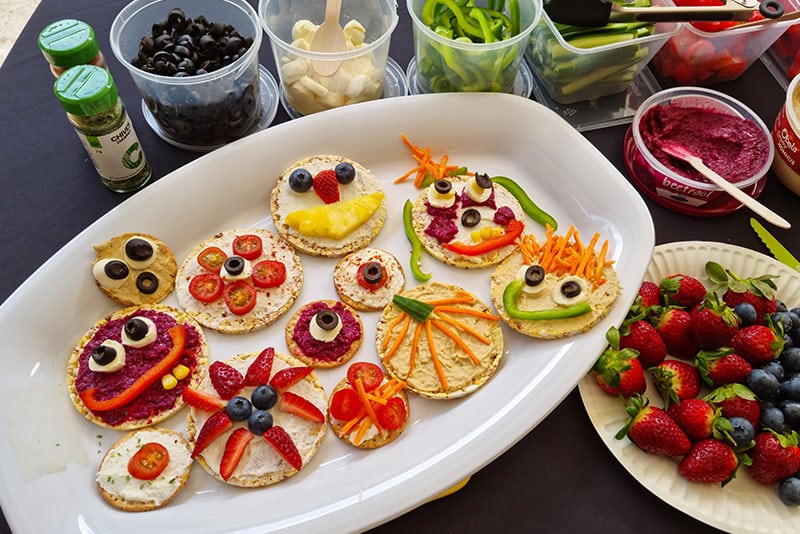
{"type": "Point", "coordinates": [328, 205]}
{"type": "Point", "coordinates": [557, 288]}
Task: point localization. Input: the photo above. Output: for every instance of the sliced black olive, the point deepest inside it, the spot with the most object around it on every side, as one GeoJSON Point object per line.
{"type": "Point", "coordinates": [116, 270]}
{"type": "Point", "coordinates": [470, 217]}
{"type": "Point", "coordinates": [483, 180]}
{"type": "Point", "coordinates": [442, 186]}
{"type": "Point", "coordinates": [136, 329]}
{"type": "Point", "coordinates": [138, 249]}
{"type": "Point", "coordinates": [147, 283]}
{"type": "Point", "coordinates": [570, 289]}
{"type": "Point", "coordinates": [534, 275]}
{"type": "Point", "coordinates": [327, 319]}
{"type": "Point", "coordinates": [234, 265]}
{"type": "Point", "coordinates": [372, 272]}
{"type": "Point", "coordinates": [176, 18]}
{"type": "Point", "coordinates": [104, 354]}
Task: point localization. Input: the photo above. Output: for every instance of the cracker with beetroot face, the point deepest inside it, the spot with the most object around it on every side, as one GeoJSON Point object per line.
{"type": "Point", "coordinates": [324, 333]}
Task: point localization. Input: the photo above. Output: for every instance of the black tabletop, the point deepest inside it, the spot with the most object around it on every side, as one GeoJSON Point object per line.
{"type": "Point", "coordinates": [558, 478]}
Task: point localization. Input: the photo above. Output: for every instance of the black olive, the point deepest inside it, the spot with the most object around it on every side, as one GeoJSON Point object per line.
{"type": "Point", "coordinates": [233, 44]}
{"type": "Point", "coordinates": [534, 275]}
{"type": "Point", "coordinates": [182, 51]}
{"type": "Point", "coordinates": [138, 249]}
{"type": "Point", "coordinates": [483, 180]}
{"type": "Point", "coordinates": [176, 18]}
{"type": "Point", "coordinates": [104, 354]}
{"type": "Point", "coordinates": [372, 272]}
{"type": "Point", "coordinates": [116, 270]}
{"type": "Point", "coordinates": [163, 55]}
{"type": "Point", "coordinates": [327, 319]}
{"type": "Point", "coordinates": [147, 45]}
{"type": "Point", "coordinates": [234, 265]}
{"type": "Point", "coordinates": [442, 186]}
{"type": "Point", "coordinates": [216, 29]}
{"type": "Point", "coordinates": [570, 289]}
{"type": "Point", "coordinates": [147, 283]}
{"type": "Point", "coordinates": [470, 217]}
{"type": "Point", "coordinates": [135, 328]}
{"type": "Point", "coordinates": [162, 40]}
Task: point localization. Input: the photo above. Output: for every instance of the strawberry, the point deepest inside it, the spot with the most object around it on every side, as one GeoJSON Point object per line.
{"type": "Point", "coordinates": [650, 294]}
{"type": "Point", "coordinates": [283, 445]}
{"type": "Point", "coordinates": [758, 291]}
{"type": "Point", "coordinates": [286, 378]}
{"type": "Point", "coordinates": [653, 430]}
{"type": "Point", "coordinates": [234, 449]}
{"type": "Point", "coordinates": [227, 380]}
{"type": "Point", "coordinates": [774, 456]}
{"type": "Point", "coordinates": [736, 400]}
{"type": "Point", "coordinates": [675, 380]}
{"type": "Point", "coordinates": [619, 372]}
{"type": "Point", "coordinates": [682, 290]}
{"type": "Point", "coordinates": [710, 461]}
{"type": "Point", "coordinates": [699, 419]}
{"type": "Point", "coordinates": [202, 401]}
{"type": "Point", "coordinates": [214, 427]}
{"type": "Point", "coordinates": [713, 323]}
{"type": "Point", "coordinates": [642, 337]}
{"type": "Point", "coordinates": [327, 186]}
{"type": "Point", "coordinates": [758, 344]}
{"type": "Point", "coordinates": [297, 405]}
{"type": "Point", "coordinates": [720, 367]}
{"type": "Point", "coordinates": [260, 369]}
{"type": "Point", "coordinates": [674, 325]}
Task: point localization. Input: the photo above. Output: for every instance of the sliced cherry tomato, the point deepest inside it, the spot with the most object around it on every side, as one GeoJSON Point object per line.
{"type": "Point", "coordinates": [370, 374]}
{"type": "Point", "coordinates": [247, 246]}
{"type": "Point", "coordinates": [392, 415]}
{"type": "Point", "coordinates": [345, 404]}
{"type": "Point", "coordinates": [212, 259]}
{"type": "Point", "coordinates": [240, 297]}
{"type": "Point", "coordinates": [268, 273]}
{"type": "Point", "coordinates": [206, 287]}
{"type": "Point", "coordinates": [149, 461]}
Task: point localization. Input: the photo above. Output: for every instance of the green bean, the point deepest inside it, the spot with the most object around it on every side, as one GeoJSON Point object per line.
{"type": "Point", "coordinates": [416, 245]}
{"type": "Point", "coordinates": [528, 206]}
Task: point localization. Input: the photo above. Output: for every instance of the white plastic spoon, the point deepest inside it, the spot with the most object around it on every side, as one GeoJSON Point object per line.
{"type": "Point", "coordinates": [770, 216]}
{"type": "Point", "coordinates": [329, 37]}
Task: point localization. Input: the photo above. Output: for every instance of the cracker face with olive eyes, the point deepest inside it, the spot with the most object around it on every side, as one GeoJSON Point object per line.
{"type": "Point", "coordinates": [134, 269]}
{"type": "Point", "coordinates": [550, 295]}
{"type": "Point", "coordinates": [328, 205]}
{"type": "Point", "coordinates": [467, 222]}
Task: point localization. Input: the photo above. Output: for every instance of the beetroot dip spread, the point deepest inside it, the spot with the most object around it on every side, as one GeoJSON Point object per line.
{"type": "Point", "coordinates": [155, 399]}
{"type": "Point", "coordinates": [734, 147]}
{"type": "Point", "coordinates": [326, 350]}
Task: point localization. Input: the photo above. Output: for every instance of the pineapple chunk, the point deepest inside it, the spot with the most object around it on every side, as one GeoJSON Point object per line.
{"type": "Point", "coordinates": [337, 220]}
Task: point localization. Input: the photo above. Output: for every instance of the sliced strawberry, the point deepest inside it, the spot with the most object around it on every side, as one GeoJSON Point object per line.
{"type": "Point", "coordinates": [202, 401]}
{"type": "Point", "coordinates": [327, 186]}
{"type": "Point", "coordinates": [297, 405]}
{"type": "Point", "coordinates": [286, 378]}
{"type": "Point", "coordinates": [226, 379]}
{"type": "Point", "coordinates": [260, 370]}
{"type": "Point", "coordinates": [234, 449]}
{"type": "Point", "coordinates": [283, 445]}
{"type": "Point", "coordinates": [213, 428]}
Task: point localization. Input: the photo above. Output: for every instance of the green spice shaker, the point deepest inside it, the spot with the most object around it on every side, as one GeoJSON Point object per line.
{"type": "Point", "coordinates": [89, 96]}
{"type": "Point", "coordinates": [69, 42]}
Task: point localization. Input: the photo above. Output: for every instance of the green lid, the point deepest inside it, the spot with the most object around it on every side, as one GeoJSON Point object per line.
{"type": "Point", "coordinates": [68, 42]}
{"type": "Point", "coordinates": [86, 90]}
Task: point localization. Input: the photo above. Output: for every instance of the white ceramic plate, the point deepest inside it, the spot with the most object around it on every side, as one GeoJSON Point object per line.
{"type": "Point", "coordinates": [49, 453]}
{"type": "Point", "coordinates": [743, 505]}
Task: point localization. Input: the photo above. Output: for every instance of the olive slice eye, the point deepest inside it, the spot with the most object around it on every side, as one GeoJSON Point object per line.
{"type": "Point", "coordinates": [442, 186]}
{"type": "Point", "coordinates": [104, 354]}
{"type": "Point", "coordinates": [116, 270]}
{"type": "Point", "coordinates": [534, 275]}
{"type": "Point", "coordinates": [138, 249]}
{"type": "Point", "coordinates": [570, 289]}
{"type": "Point", "coordinates": [372, 272]}
{"type": "Point", "coordinates": [327, 319]}
{"type": "Point", "coordinates": [483, 181]}
{"type": "Point", "coordinates": [136, 328]}
{"type": "Point", "coordinates": [147, 283]}
{"type": "Point", "coordinates": [234, 265]}
{"type": "Point", "coordinates": [471, 217]}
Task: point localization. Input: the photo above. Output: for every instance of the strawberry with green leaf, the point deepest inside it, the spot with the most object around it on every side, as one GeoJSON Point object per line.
{"type": "Point", "coordinates": [736, 400]}
{"type": "Point", "coordinates": [675, 380]}
{"type": "Point", "coordinates": [775, 456]}
{"type": "Point", "coordinates": [722, 366]}
{"type": "Point", "coordinates": [759, 344]}
{"type": "Point", "coordinates": [713, 322]}
{"type": "Point", "coordinates": [758, 291]}
{"type": "Point", "coordinates": [682, 290]}
{"type": "Point", "coordinates": [653, 430]}
{"type": "Point", "coordinates": [711, 461]}
{"type": "Point", "coordinates": [674, 325]}
{"type": "Point", "coordinates": [618, 371]}
{"type": "Point", "coordinates": [699, 419]}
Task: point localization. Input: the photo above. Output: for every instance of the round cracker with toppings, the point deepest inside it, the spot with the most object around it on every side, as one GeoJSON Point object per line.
{"type": "Point", "coordinates": [271, 303]}
{"type": "Point", "coordinates": [313, 226]}
{"type": "Point", "coordinates": [147, 281]}
{"type": "Point", "coordinates": [344, 342]}
{"type": "Point", "coordinates": [351, 290]}
{"type": "Point", "coordinates": [155, 403]}
{"type": "Point", "coordinates": [123, 491]}
{"type": "Point", "coordinates": [460, 362]}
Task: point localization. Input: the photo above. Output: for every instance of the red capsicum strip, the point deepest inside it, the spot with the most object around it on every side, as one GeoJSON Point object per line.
{"type": "Point", "coordinates": [513, 230]}
{"type": "Point", "coordinates": [178, 336]}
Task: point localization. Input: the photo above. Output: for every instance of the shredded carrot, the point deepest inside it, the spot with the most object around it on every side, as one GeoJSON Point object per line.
{"type": "Point", "coordinates": [415, 149]}
{"type": "Point", "coordinates": [363, 395]}
{"type": "Point", "coordinates": [466, 328]}
{"type": "Point", "coordinates": [451, 300]}
{"type": "Point", "coordinates": [351, 424]}
{"type": "Point", "coordinates": [426, 165]}
{"type": "Point", "coordinates": [403, 331]}
{"type": "Point", "coordinates": [586, 254]}
{"type": "Point", "coordinates": [392, 388]}
{"type": "Point", "coordinates": [449, 333]}
{"type": "Point", "coordinates": [436, 363]}
{"type": "Point", "coordinates": [466, 311]}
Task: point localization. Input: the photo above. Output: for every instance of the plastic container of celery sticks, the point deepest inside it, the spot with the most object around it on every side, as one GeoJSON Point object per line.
{"type": "Point", "coordinates": [589, 63]}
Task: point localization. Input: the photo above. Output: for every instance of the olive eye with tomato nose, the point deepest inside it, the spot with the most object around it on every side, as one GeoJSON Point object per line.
{"type": "Point", "coordinates": [372, 272]}
{"type": "Point", "coordinates": [234, 265]}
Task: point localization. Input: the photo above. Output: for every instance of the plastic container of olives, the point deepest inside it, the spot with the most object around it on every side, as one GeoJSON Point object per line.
{"type": "Point", "coordinates": [195, 63]}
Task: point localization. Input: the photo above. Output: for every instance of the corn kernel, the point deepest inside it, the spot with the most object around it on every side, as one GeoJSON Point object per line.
{"type": "Point", "coordinates": [168, 381]}
{"type": "Point", "coordinates": [180, 372]}
{"type": "Point", "coordinates": [475, 236]}
{"type": "Point", "coordinates": [486, 233]}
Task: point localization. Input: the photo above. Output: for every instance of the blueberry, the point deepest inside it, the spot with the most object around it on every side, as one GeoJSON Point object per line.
{"type": "Point", "coordinates": [788, 341]}
{"type": "Point", "coordinates": [781, 306]}
{"type": "Point", "coordinates": [238, 408]}
{"type": "Point", "coordinates": [763, 384]}
{"type": "Point", "coordinates": [775, 368]}
{"type": "Point", "coordinates": [794, 317]}
{"type": "Point", "coordinates": [789, 491]}
{"type": "Point", "coordinates": [742, 431]}
{"type": "Point", "coordinates": [772, 417]}
{"type": "Point", "coordinates": [264, 397]}
{"type": "Point", "coordinates": [790, 389]}
{"type": "Point", "coordinates": [300, 180]}
{"type": "Point", "coordinates": [790, 359]}
{"type": "Point", "coordinates": [784, 319]}
{"type": "Point", "coordinates": [259, 421]}
{"type": "Point", "coordinates": [345, 172]}
{"type": "Point", "coordinates": [791, 413]}
{"type": "Point", "coordinates": [747, 313]}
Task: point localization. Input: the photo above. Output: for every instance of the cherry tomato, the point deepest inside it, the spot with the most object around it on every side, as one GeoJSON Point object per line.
{"type": "Point", "coordinates": [345, 404]}
{"type": "Point", "coordinates": [206, 287]}
{"type": "Point", "coordinates": [392, 415]}
{"type": "Point", "coordinates": [240, 297]}
{"type": "Point", "coordinates": [247, 246]}
{"type": "Point", "coordinates": [370, 374]}
{"type": "Point", "coordinates": [149, 461]}
{"type": "Point", "coordinates": [212, 259]}
{"type": "Point", "coordinates": [268, 273]}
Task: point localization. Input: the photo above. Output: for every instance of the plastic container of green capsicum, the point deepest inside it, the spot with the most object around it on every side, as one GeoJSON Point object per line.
{"type": "Point", "coordinates": [471, 45]}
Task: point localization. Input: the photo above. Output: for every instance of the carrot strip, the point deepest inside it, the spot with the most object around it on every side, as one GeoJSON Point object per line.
{"type": "Point", "coordinates": [451, 300]}
{"type": "Point", "coordinates": [391, 328]}
{"type": "Point", "coordinates": [452, 335]}
{"type": "Point", "coordinates": [436, 363]}
{"type": "Point", "coordinates": [362, 429]}
{"type": "Point", "coordinates": [601, 263]}
{"type": "Point", "coordinates": [414, 148]}
{"type": "Point", "coordinates": [587, 253]}
{"type": "Point", "coordinates": [392, 388]}
{"type": "Point", "coordinates": [466, 328]}
{"type": "Point", "coordinates": [351, 424]}
{"type": "Point", "coordinates": [414, 344]}
{"type": "Point", "coordinates": [466, 311]}
{"type": "Point", "coordinates": [363, 394]}
{"type": "Point", "coordinates": [403, 331]}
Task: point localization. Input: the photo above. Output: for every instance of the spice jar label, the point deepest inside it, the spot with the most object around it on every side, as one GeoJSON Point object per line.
{"type": "Point", "coordinates": [117, 156]}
